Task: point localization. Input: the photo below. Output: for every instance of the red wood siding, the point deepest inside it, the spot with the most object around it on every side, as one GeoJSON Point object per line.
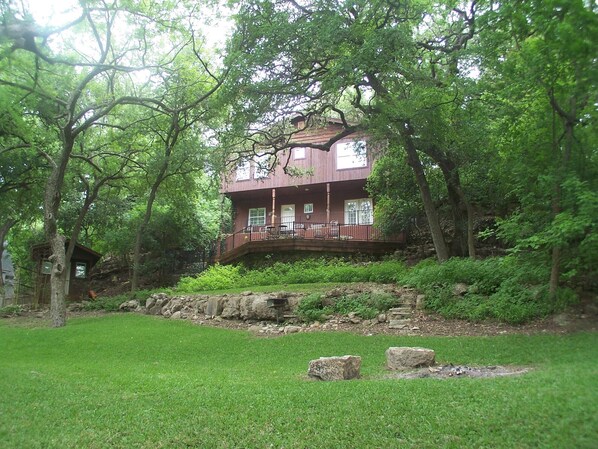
{"type": "Point", "coordinates": [299, 196]}
{"type": "Point", "coordinates": [322, 165]}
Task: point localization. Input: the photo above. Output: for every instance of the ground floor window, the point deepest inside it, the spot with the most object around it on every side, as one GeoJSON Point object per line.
{"type": "Point", "coordinates": [257, 216]}
{"type": "Point", "coordinates": [359, 211]}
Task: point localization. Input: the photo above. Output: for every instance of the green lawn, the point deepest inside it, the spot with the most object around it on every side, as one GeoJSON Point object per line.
{"type": "Point", "coordinates": [131, 381]}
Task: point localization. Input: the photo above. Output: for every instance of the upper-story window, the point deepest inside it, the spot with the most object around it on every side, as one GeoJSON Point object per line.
{"type": "Point", "coordinates": [262, 166]}
{"type": "Point", "coordinates": [299, 153]}
{"type": "Point", "coordinates": [351, 155]}
{"type": "Point", "coordinates": [243, 170]}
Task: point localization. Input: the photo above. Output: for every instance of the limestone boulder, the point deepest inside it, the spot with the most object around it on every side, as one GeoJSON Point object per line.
{"type": "Point", "coordinates": [214, 307]}
{"type": "Point", "coordinates": [129, 306]}
{"type": "Point", "coordinates": [230, 309]}
{"type": "Point", "coordinates": [335, 368]}
{"type": "Point", "coordinates": [399, 358]}
{"type": "Point", "coordinates": [154, 304]}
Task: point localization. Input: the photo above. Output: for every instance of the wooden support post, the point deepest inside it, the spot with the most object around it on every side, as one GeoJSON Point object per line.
{"type": "Point", "coordinates": [273, 207]}
{"type": "Point", "coordinates": [327, 202]}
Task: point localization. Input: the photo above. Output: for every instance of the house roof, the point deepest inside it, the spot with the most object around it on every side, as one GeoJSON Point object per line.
{"type": "Point", "coordinates": [300, 118]}
{"type": "Point", "coordinates": [46, 245]}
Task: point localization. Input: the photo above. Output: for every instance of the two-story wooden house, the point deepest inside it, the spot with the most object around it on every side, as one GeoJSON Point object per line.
{"type": "Point", "coordinates": [322, 206]}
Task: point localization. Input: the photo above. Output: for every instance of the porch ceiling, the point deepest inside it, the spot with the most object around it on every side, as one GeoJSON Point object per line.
{"type": "Point", "coordinates": [294, 190]}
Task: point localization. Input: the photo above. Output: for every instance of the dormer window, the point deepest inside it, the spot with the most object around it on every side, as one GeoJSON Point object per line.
{"type": "Point", "coordinates": [351, 155]}
{"type": "Point", "coordinates": [243, 170]}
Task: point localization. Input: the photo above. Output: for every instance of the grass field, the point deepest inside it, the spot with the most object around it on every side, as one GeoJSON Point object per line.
{"type": "Point", "coordinates": [131, 381]}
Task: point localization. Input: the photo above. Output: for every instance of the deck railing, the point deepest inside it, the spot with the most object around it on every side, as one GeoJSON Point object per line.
{"type": "Point", "coordinates": [305, 230]}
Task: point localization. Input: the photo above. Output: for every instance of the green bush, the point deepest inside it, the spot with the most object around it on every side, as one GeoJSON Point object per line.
{"type": "Point", "coordinates": [311, 308]}
{"type": "Point", "coordinates": [307, 271]}
{"type": "Point", "coordinates": [10, 311]}
{"type": "Point", "coordinates": [112, 303]}
{"type": "Point", "coordinates": [216, 277]}
{"type": "Point", "coordinates": [508, 289]}
{"type": "Point", "coordinates": [365, 305]}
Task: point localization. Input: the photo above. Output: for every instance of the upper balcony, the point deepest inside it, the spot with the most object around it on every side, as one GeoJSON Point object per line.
{"type": "Point", "coordinates": [348, 159]}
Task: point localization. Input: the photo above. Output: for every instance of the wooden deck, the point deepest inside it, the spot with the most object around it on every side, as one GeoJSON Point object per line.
{"type": "Point", "coordinates": [308, 237]}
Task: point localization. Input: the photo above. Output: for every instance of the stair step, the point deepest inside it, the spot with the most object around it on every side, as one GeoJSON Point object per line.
{"type": "Point", "coordinates": [399, 324]}
{"type": "Point", "coordinates": [400, 310]}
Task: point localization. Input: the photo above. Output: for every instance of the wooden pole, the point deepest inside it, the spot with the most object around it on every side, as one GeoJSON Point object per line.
{"type": "Point", "coordinates": [273, 206]}
{"type": "Point", "coordinates": [327, 202]}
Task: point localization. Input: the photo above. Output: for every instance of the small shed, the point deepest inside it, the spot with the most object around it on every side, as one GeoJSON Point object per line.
{"type": "Point", "coordinates": [78, 279]}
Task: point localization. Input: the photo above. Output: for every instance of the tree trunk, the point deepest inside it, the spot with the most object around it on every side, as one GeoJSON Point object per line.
{"type": "Point", "coordinates": [169, 144]}
{"type": "Point", "coordinates": [58, 281]}
{"type": "Point", "coordinates": [3, 233]}
{"type": "Point", "coordinates": [463, 243]}
{"type": "Point", "coordinates": [433, 222]}
{"type": "Point", "coordinates": [141, 232]}
{"type": "Point", "coordinates": [470, 236]}
{"type": "Point", "coordinates": [52, 197]}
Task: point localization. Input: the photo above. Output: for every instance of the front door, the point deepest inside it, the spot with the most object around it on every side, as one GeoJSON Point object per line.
{"type": "Point", "coordinates": [287, 214]}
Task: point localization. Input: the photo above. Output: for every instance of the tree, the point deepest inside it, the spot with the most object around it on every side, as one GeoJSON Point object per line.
{"type": "Point", "coordinates": [76, 89]}
{"type": "Point", "coordinates": [546, 135]}
{"type": "Point", "coordinates": [178, 142]}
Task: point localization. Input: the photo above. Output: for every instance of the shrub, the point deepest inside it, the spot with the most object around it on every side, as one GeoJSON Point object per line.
{"type": "Point", "coordinates": [108, 304]}
{"type": "Point", "coordinates": [11, 310]}
{"type": "Point", "coordinates": [311, 308]}
{"type": "Point", "coordinates": [508, 289]}
{"type": "Point", "coordinates": [365, 305]}
{"type": "Point", "coordinates": [112, 303]}
{"type": "Point", "coordinates": [216, 277]}
{"type": "Point", "coordinates": [305, 271]}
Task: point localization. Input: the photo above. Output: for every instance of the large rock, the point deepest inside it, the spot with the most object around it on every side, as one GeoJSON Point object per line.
{"type": "Point", "coordinates": [129, 306]}
{"type": "Point", "coordinates": [398, 358]}
{"type": "Point", "coordinates": [214, 307]}
{"type": "Point", "coordinates": [335, 368]}
{"type": "Point", "coordinates": [460, 289]}
{"type": "Point", "coordinates": [230, 310]}
{"type": "Point", "coordinates": [155, 302]}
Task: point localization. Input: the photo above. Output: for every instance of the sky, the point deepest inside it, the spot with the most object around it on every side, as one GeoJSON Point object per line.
{"type": "Point", "coordinates": [54, 13]}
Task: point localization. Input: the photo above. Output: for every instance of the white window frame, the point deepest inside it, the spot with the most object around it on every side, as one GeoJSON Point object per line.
{"type": "Point", "coordinates": [351, 154]}
{"type": "Point", "coordinates": [308, 208]}
{"type": "Point", "coordinates": [258, 218]}
{"type": "Point", "coordinates": [299, 153]}
{"type": "Point", "coordinates": [261, 167]}
{"type": "Point", "coordinates": [83, 273]}
{"type": "Point", "coordinates": [243, 171]}
{"type": "Point", "coordinates": [362, 214]}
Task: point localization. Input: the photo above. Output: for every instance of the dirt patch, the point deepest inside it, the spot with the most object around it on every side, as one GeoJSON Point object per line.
{"type": "Point", "coordinates": [459, 371]}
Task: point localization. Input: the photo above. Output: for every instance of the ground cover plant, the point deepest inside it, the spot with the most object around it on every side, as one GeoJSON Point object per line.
{"type": "Point", "coordinates": [508, 289]}
{"type": "Point", "coordinates": [306, 271]}
{"type": "Point", "coordinates": [366, 305]}
{"type": "Point", "coordinates": [112, 303]}
{"type": "Point", "coordinates": [134, 381]}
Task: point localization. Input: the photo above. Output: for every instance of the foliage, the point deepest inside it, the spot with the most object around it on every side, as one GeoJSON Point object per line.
{"type": "Point", "coordinates": [216, 277]}
{"type": "Point", "coordinates": [365, 305]}
{"type": "Point", "coordinates": [510, 289]}
{"type": "Point", "coordinates": [311, 308]}
{"type": "Point", "coordinates": [11, 310]}
{"type": "Point", "coordinates": [112, 303]}
{"type": "Point", "coordinates": [140, 382]}
{"type": "Point", "coordinates": [301, 272]}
